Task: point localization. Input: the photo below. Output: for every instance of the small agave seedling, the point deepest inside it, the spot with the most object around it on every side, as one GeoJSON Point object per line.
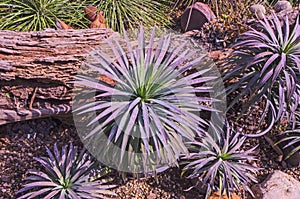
{"type": "Point", "coordinates": [218, 161]}
{"type": "Point", "coordinates": [268, 67]}
{"type": "Point", "coordinates": [153, 107]}
{"type": "Point", "coordinates": [67, 174]}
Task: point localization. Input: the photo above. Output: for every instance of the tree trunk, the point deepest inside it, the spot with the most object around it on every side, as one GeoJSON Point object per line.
{"type": "Point", "coordinates": [36, 68]}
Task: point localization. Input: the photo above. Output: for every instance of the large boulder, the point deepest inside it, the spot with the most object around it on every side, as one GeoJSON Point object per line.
{"type": "Point", "coordinates": [291, 14]}
{"type": "Point", "coordinates": [195, 16]}
{"type": "Point", "coordinates": [282, 6]}
{"type": "Point", "coordinates": [277, 185]}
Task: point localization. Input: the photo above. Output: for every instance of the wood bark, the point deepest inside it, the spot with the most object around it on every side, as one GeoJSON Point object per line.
{"type": "Point", "coordinates": [36, 68]}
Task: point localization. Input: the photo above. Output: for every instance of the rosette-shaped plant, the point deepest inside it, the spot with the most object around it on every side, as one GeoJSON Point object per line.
{"type": "Point", "coordinates": [129, 14]}
{"type": "Point", "coordinates": [67, 174]}
{"type": "Point", "coordinates": [268, 67]}
{"type": "Point", "coordinates": [35, 15]}
{"type": "Point", "coordinates": [218, 161]}
{"type": "Point", "coordinates": [143, 119]}
{"type": "Point", "coordinates": [291, 137]}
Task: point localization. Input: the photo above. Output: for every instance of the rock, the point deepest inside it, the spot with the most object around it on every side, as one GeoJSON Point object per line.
{"type": "Point", "coordinates": [195, 19]}
{"type": "Point", "coordinates": [91, 12]}
{"type": "Point", "coordinates": [282, 6]}
{"type": "Point", "coordinates": [152, 196]}
{"type": "Point", "coordinates": [259, 10]}
{"type": "Point", "coordinates": [277, 185]}
{"type": "Point", "coordinates": [291, 14]}
{"type": "Point", "coordinates": [216, 195]}
{"type": "Point", "coordinates": [192, 33]}
{"type": "Point", "coordinates": [220, 54]}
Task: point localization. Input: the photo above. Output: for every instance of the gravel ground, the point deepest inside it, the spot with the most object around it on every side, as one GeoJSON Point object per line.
{"type": "Point", "coordinates": [20, 142]}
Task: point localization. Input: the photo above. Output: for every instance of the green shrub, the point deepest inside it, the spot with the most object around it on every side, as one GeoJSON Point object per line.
{"type": "Point", "coordinates": [130, 14]}
{"type": "Point", "coordinates": [35, 15]}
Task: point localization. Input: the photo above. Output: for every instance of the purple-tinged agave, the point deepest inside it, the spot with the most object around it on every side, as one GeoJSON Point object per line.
{"type": "Point", "coordinates": [268, 67]}
{"type": "Point", "coordinates": [218, 161]}
{"type": "Point", "coordinates": [142, 121]}
{"type": "Point", "coordinates": [67, 174]}
{"type": "Point", "coordinates": [292, 137]}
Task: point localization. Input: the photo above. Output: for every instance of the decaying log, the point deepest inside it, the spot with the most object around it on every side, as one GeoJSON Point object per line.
{"type": "Point", "coordinates": [36, 68]}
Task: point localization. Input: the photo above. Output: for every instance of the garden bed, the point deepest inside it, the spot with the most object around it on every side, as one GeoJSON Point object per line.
{"type": "Point", "coordinates": [20, 142]}
{"type": "Point", "coordinates": [133, 97]}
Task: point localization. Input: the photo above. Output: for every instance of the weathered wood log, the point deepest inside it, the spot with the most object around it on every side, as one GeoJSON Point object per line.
{"type": "Point", "coordinates": [35, 68]}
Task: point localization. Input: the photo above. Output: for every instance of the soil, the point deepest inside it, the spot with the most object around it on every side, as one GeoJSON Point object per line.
{"type": "Point", "coordinates": [21, 141]}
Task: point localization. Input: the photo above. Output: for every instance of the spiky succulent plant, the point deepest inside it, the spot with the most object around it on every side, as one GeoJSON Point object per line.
{"type": "Point", "coordinates": [291, 137]}
{"type": "Point", "coordinates": [36, 15]}
{"type": "Point", "coordinates": [218, 161]}
{"type": "Point", "coordinates": [154, 105]}
{"type": "Point", "coordinates": [67, 174]}
{"type": "Point", "coordinates": [129, 14]}
{"type": "Point", "coordinates": [268, 67]}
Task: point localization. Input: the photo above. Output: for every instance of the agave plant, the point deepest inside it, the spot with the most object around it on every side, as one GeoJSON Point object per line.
{"type": "Point", "coordinates": [153, 107]}
{"type": "Point", "coordinates": [293, 140]}
{"type": "Point", "coordinates": [218, 161]}
{"type": "Point", "coordinates": [129, 14]}
{"type": "Point", "coordinates": [268, 67]}
{"type": "Point", "coordinates": [36, 15]}
{"type": "Point", "coordinates": [292, 137]}
{"type": "Point", "coordinates": [67, 174]}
